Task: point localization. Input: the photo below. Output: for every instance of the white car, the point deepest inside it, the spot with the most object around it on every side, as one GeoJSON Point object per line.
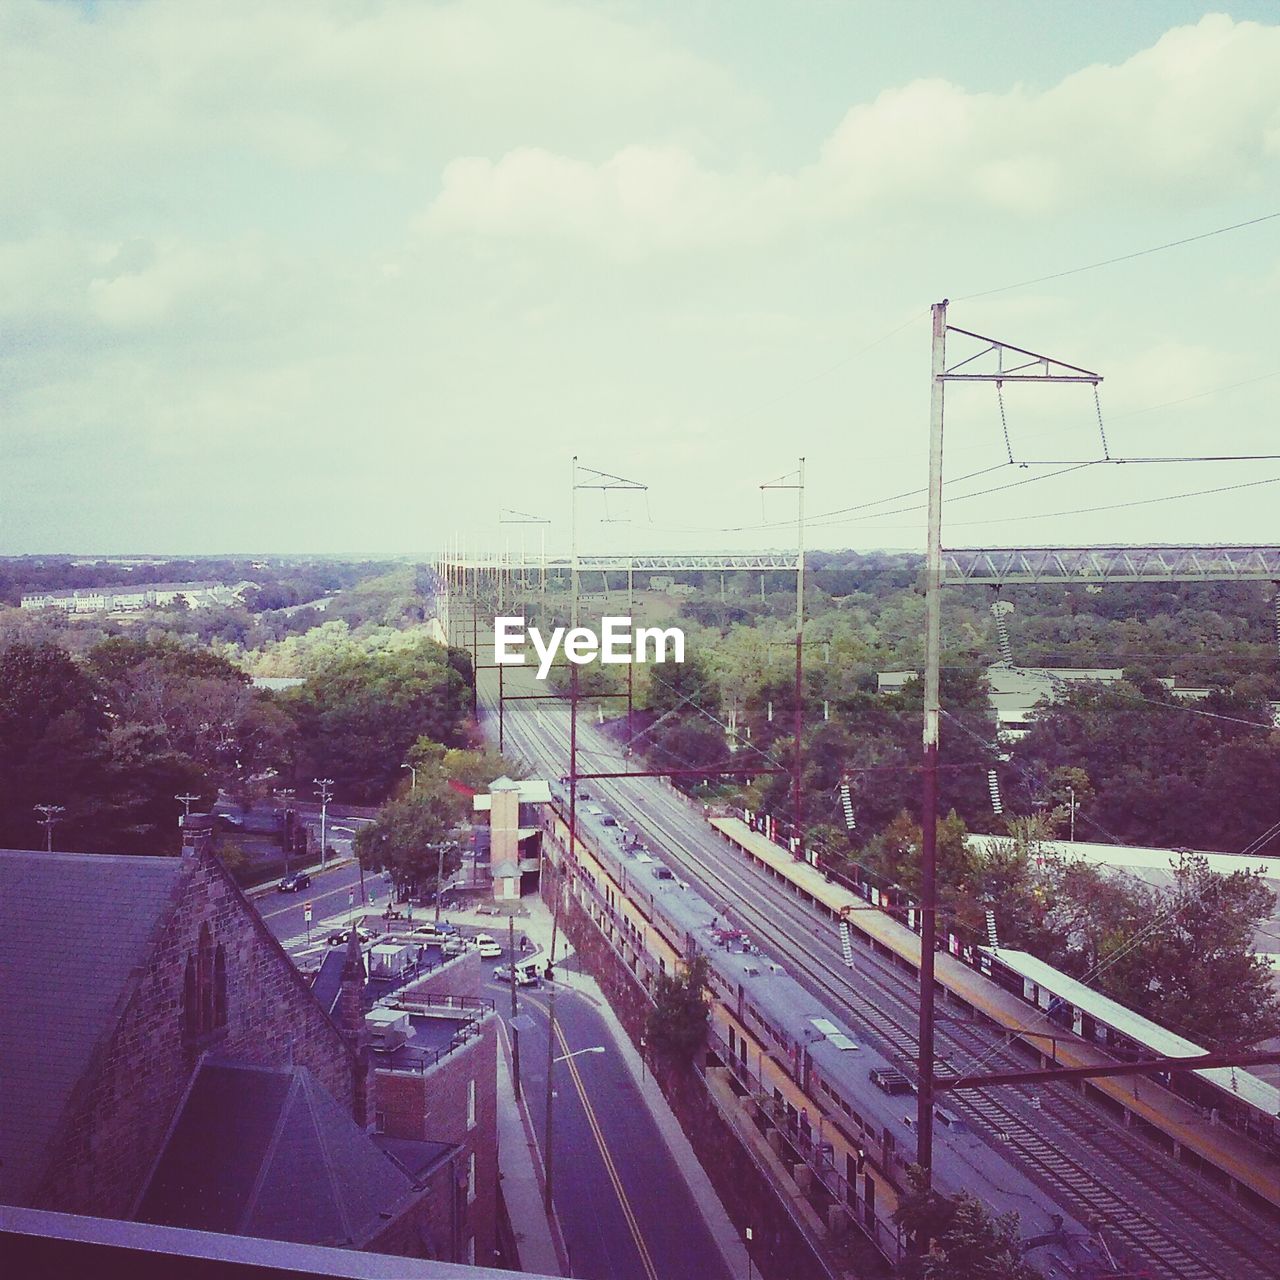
{"type": "Point", "coordinates": [488, 946]}
{"type": "Point", "coordinates": [525, 977]}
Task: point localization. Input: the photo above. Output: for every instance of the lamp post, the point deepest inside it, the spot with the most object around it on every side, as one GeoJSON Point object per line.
{"type": "Point", "coordinates": [413, 769]}
{"type": "Point", "coordinates": [564, 1057]}
{"type": "Point", "coordinates": [324, 793]}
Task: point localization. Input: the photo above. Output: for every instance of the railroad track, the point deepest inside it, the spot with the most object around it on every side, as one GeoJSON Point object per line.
{"type": "Point", "coordinates": [1199, 1250]}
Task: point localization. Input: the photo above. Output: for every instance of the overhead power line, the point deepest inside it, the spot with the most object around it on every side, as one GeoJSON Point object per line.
{"type": "Point", "coordinates": [1124, 257]}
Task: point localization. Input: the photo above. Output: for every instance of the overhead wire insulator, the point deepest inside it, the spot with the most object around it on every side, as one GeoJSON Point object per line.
{"type": "Point", "coordinates": [993, 937]}
{"type": "Point", "coordinates": [999, 610]}
{"type": "Point", "coordinates": [846, 803]}
{"type": "Point", "coordinates": [993, 785]}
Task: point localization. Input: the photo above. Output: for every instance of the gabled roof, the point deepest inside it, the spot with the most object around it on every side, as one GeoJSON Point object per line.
{"type": "Point", "coordinates": [76, 930]}
{"type": "Point", "coordinates": [263, 1151]}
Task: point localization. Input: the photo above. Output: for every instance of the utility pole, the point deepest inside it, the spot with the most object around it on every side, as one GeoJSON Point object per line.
{"type": "Point", "coordinates": [797, 784]}
{"type": "Point", "coordinates": [1026, 366]}
{"type": "Point", "coordinates": [440, 848]}
{"type": "Point", "coordinates": [186, 802]}
{"type": "Point", "coordinates": [932, 716]}
{"type": "Point", "coordinates": [324, 793]}
{"type": "Point", "coordinates": [49, 815]}
{"type": "Point", "coordinates": [1073, 813]}
{"type": "Point", "coordinates": [515, 1030]}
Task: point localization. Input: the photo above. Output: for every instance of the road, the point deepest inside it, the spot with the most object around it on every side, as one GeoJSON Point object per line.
{"type": "Point", "coordinates": [1187, 1228]}
{"type": "Point", "coordinates": [624, 1208]}
{"type": "Point", "coordinates": [329, 895]}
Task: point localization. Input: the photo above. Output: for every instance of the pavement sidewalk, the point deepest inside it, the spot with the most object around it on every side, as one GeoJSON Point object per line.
{"type": "Point", "coordinates": [538, 1237]}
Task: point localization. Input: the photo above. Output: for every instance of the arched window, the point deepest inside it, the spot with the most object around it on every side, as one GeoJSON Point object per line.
{"type": "Point", "coordinates": [205, 965]}
{"type": "Point", "coordinates": [220, 986]}
{"type": "Point", "coordinates": [205, 988]}
{"type": "Point", "coordinates": [191, 1000]}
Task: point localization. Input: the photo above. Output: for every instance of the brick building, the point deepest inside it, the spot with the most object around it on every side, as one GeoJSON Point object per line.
{"type": "Point", "coordinates": [144, 1010]}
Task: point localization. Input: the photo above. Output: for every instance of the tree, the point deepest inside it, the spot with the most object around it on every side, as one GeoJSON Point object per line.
{"type": "Point", "coordinates": [359, 713]}
{"type": "Point", "coordinates": [677, 1025]}
{"type": "Point", "coordinates": [958, 1237]}
{"type": "Point", "coordinates": [406, 837]}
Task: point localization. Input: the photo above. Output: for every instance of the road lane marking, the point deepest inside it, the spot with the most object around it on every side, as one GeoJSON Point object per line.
{"type": "Point", "coordinates": [641, 1248]}
{"type": "Point", "coordinates": [308, 896]}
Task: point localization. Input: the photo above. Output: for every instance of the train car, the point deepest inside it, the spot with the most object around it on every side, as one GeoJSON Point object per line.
{"type": "Point", "coordinates": [825, 1089]}
{"type": "Point", "coordinates": [984, 979]}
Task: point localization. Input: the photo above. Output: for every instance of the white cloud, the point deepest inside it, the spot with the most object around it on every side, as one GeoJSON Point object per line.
{"type": "Point", "coordinates": [1196, 115]}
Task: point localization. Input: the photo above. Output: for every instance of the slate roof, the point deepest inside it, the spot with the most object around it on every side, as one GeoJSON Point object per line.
{"type": "Point", "coordinates": [76, 928]}
{"type": "Point", "coordinates": [262, 1151]}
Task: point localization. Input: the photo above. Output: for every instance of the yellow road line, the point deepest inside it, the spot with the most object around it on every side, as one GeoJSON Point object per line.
{"type": "Point", "coordinates": [641, 1248]}
{"type": "Point", "coordinates": [625, 1204]}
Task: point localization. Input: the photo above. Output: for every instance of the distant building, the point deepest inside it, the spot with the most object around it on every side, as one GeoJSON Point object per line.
{"type": "Point", "coordinates": [131, 597]}
{"type": "Point", "coordinates": [1018, 692]}
{"type": "Point", "coordinates": [162, 1060]}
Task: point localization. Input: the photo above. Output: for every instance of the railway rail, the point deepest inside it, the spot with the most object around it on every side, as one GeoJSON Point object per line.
{"type": "Point", "coordinates": [1100, 1171]}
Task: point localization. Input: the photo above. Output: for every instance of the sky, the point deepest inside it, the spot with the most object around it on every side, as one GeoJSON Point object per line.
{"type": "Point", "coordinates": [339, 276]}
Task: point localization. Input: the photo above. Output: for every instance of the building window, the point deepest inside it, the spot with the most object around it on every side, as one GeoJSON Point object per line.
{"type": "Point", "coordinates": [379, 1122]}
{"type": "Point", "coordinates": [204, 990]}
{"type": "Point", "coordinates": [471, 1104]}
{"type": "Point", "coordinates": [471, 1178]}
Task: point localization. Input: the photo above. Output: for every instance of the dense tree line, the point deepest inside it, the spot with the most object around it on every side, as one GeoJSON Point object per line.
{"type": "Point", "coordinates": [114, 734]}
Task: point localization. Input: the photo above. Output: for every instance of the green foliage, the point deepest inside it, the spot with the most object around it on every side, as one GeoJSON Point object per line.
{"type": "Point", "coordinates": [407, 835]}
{"type": "Point", "coordinates": [359, 713]}
{"type": "Point", "coordinates": [677, 1025]}
{"type": "Point", "coordinates": [958, 1238]}
{"type": "Point", "coordinates": [64, 741]}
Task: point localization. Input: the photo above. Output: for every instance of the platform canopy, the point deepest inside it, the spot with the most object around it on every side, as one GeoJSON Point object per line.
{"type": "Point", "coordinates": [1233, 1080]}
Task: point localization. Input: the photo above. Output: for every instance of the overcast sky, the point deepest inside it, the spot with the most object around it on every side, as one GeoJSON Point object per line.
{"type": "Point", "coordinates": [350, 275]}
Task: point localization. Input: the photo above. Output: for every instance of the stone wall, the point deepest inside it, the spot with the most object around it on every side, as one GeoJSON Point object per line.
{"type": "Point", "coordinates": [117, 1119]}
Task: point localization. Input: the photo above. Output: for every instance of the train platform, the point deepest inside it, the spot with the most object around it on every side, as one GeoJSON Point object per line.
{"type": "Point", "coordinates": [1187, 1127]}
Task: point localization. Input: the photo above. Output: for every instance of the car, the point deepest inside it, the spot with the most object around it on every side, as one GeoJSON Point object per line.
{"type": "Point", "coordinates": [525, 975]}
{"type": "Point", "coordinates": [339, 936]}
{"type": "Point", "coordinates": [229, 821]}
{"type": "Point", "coordinates": [292, 883]}
{"type": "Point", "coordinates": [608, 820]}
{"type": "Point", "coordinates": [488, 946]}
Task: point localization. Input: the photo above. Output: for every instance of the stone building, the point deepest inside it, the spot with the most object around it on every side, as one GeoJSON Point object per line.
{"type": "Point", "coordinates": [162, 1060]}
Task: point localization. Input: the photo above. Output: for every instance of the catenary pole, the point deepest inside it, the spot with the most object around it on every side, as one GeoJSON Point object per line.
{"type": "Point", "coordinates": [932, 716]}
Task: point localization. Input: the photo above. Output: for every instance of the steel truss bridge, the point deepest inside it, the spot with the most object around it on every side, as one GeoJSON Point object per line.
{"type": "Point", "coordinates": [684, 562]}
{"type": "Point", "coordinates": [1032, 566]}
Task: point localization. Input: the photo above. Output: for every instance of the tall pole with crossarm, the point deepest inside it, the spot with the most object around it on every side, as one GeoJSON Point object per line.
{"type": "Point", "coordinates": [1012, 364]}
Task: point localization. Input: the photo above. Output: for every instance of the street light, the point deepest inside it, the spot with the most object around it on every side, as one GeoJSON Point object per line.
{"type": "Point", "coordinates": [595, 1048]}
{"type": "Point", "coordinates": [413, 769]}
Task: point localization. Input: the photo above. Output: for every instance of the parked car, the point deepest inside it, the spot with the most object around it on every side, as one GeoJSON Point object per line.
{"type": "Point", "coordinates": [292, 883]}
{"type": "Point", "coordinates": [339, 936]}
{"type": "Point", "coordinates": [488, 946]}
{"type": "Point", "coordinates": [526, 976]}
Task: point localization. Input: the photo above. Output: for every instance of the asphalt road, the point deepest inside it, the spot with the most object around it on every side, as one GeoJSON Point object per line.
{"type": "Point", "coordinates": [624, 1208]}
{"type": "Point", "coordinates": [329, 898]}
